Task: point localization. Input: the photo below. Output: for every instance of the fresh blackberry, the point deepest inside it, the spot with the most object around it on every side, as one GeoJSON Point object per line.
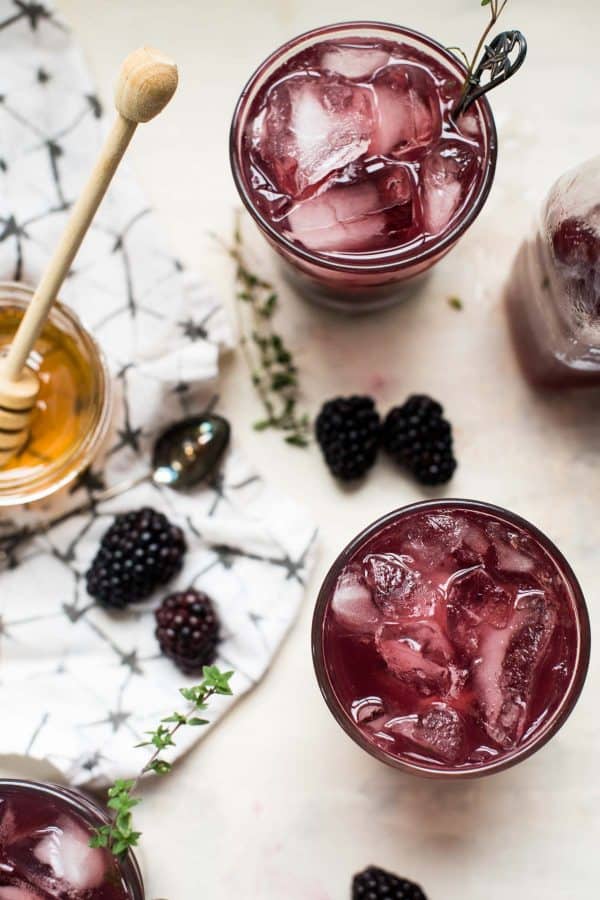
{"type": "Point", "coordinates": [376, 884]}
{"type": "Point", "coordinates": [188, 630]}
{"type": "Point", "coordinates": [348, 430]}
{"type": "Point", "coordinates": [140, 551]}
{"type": "Point", "coordinates": [417, 436]}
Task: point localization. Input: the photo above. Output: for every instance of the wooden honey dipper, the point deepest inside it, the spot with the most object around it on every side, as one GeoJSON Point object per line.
{"type": "Point", "coordinates": [146, 83]}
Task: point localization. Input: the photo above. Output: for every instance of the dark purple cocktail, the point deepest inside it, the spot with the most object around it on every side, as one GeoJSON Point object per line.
{"type": "Point", "coordinates": [44, 848]}
{"type": "Point", "coordinates": [451, 638]}
{"type": "Point", "coordinates": [346, 152]}
{"type": "Point", "coordinates": [553, 293]}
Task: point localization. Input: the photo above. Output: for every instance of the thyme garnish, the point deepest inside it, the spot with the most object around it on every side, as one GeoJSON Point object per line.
{"type": "Point", "coordinates": [496, 10]}
{"type": "Point", "coordinates": [272, 368]}
{"type": "Point", "coordinates": [120, 836]}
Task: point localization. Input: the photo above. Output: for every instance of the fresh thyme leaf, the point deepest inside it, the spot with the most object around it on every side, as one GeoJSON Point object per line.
{"type": "Point", "coordinates": [273, 372]}
{"type": "Point", "coordinates": [296, 440]}
{"type": "Point", "coordinates": [455, 303]}
{"type": "Point", "coordinates": [119, 835]}
{"type": "Point", "coordinates": [161, 766]}
{"type": "Point", "coordinates": [496, 10]}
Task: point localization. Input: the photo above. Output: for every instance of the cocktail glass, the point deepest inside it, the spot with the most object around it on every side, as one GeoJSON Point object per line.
{"type": "Point", "coordinates": [44, 847]}
{"type": "Point", "coordinates": [361, 180]}
{"type": "Point", "coordinates": [553, 293]}
{"type": "Point", "coordinates": [451, 639]}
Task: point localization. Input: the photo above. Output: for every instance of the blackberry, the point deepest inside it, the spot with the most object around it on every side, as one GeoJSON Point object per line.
{"type": "Point", "coordinates": [348, 430]}
{"type": "Point", "coordinates": [188, 630]}
{"type": "Point", "coordinates": [417, 436]}
{"type": "Point", "coordinates": [140, 551]}
{"type": "Point", "coordinates": [376, 884]}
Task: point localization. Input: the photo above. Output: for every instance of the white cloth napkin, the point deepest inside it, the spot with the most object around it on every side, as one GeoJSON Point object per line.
{"type": "Point", "coordinates": [79, 687]}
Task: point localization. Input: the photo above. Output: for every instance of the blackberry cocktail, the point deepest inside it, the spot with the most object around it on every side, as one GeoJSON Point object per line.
{"type": "Point", "coordinates": [44, 848]}
{"type": "Point", "coordinates": [553, 293]}
{"type": "Point", "coordinates": [347, 154]}
{"type": "Point", "coordinates": [451, 638]}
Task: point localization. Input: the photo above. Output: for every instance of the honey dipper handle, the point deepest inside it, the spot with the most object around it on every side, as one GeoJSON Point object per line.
{"type": "Point", "coordinates": [146, 83]}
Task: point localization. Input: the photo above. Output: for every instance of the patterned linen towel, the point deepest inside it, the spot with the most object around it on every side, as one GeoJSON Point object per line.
{"type": "Point", "coordinates": [78, 686]}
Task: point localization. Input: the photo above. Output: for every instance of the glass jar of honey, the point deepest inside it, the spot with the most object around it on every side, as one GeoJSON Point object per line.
{"type": "Point", "coordinates": [72, 408]}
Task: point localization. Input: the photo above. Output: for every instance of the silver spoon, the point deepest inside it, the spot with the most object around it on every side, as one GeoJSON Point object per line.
{"type": "Point", "coordinates": [502, 57]}
{"type": "Point", "coordinates": [185, 454]}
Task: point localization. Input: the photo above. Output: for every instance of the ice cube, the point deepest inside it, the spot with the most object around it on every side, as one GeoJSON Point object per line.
{"type": "Point", "coordinates": [508, 662]}
{"type": "Point", "coordinates": [396, 190]}
{"type": "Point", "coordinates": [473, 600]}
{"type": "Point", "coordinates": [66, 850]}
{"type": "Point", "coordinates": [512, 560]}
{"type": "Point", "coordinates": [418, 654]}
{"type": "Point", "coordinates": [408, 110]}
{"type": "Point", "coordinates": [390, 577]}
{"type": "Point", "coordinates": [469, 125]}
{"type": "Point", "coordinates": [473, 547]}
{"type": "Point", "coordinates": [341, 219]}
{"type": "Point", "coordinates": [433, 541]}
{"type": "Point", "coordinates": [354, 62]}
{"type": "Point", "coordinates": [476, 540]}
{"type": "Point", "coordinates": [368, 711]}
{"type": "Point", "coordinates": [398, 589]}
{"type": "Point", "coordinates": [438, 730]}
{"type": "Point", "coordinates": [352, 602]}
{"type": "Point", "coordinates": [311, 127]}
{"type": "Point", "coordinates": [513, 550]}
{"type": "Point", "coordinates": [356, 215]}
{"type": "Point", "coordinates": [446, 175]}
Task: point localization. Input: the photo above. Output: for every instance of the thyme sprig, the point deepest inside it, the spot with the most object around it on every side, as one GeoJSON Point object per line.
{"type": "Point", "coordinates": [119, 835]}
{"type": "Point", "coordinates": [496, 10]}
{"type": "Point", "coordinates": [270, 362]}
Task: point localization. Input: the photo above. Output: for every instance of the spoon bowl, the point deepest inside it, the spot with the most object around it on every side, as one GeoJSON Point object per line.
{"type": "Point", "coordinates": [189, 451]}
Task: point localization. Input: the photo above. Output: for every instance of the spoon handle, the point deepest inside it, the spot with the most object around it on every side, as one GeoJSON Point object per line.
{"type": "Point", "coordinates": [503, 56]}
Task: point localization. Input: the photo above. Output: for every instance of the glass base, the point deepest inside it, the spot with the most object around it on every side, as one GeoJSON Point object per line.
{"type": "Point", "coordinates": [347, 299]}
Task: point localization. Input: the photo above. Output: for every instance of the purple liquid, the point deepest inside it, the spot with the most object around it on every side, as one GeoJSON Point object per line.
{"type": "Point", "coordinates": [350, 149]}
{"type": "Point", "coordinates": [450, 638]}
{"type": "Point", "coordinates": [45, 853]}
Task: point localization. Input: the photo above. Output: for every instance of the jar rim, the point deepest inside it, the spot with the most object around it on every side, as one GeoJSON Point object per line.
{"type": "Point", "coordinates": [398, 257]}
{"type": "Point", "coordinates": [539, 737]}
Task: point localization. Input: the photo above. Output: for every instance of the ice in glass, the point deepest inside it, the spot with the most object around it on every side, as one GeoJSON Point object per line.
{"type": "Point", "coordinates": [554, 290]}
{"type": "Point", "coordinates": [45, 852]}
{"type": "Point", "coordinates": [451, 637]}
{"type": "Point", "coordinates": [346, 152]}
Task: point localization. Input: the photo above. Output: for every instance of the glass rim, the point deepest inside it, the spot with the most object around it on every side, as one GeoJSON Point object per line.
{"type": "Point", "coordinates": [539, 737]}
{"type": "Point", "coordinates": [398, 258]}
{"type": "Point", "coordinates": [78, 801]}
{"type": "Point", "coordinates": [50, 480]}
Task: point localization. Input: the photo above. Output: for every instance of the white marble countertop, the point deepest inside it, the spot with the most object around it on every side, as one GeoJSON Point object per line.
{"type": "Point", "coordinates": [277, 802]}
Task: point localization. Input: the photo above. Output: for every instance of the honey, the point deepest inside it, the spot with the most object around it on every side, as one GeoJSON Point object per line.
{"type": "Point", "coordinates": [72, 405]}
{"type": "Point", "coordinates": [64, 400]}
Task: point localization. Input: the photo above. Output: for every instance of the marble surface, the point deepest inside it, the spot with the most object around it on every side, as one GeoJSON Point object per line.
{"type": "Point", "coordinates": [278, 802]}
